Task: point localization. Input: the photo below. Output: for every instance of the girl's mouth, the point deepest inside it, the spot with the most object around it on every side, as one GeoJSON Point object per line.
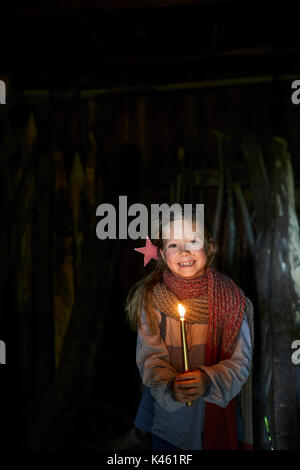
{"type": "Point", "coordinates": [186, 264]}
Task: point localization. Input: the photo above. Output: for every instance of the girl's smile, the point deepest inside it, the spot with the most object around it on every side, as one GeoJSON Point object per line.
{"type": "Point", "coordinates": [183, 262]}
{"type": "Point", "coordinates": [187, 264]}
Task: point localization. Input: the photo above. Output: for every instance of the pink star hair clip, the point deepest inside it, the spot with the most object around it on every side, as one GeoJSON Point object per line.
{"type": "Point", "coordinates": [149, 251]}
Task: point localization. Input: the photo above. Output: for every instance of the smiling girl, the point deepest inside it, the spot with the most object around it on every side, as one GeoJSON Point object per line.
{"type": "Point", "coordinates": [219, 340]}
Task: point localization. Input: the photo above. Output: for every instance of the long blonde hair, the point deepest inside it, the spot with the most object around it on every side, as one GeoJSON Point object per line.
{"type": "Point", "coordinates": [141, 293]}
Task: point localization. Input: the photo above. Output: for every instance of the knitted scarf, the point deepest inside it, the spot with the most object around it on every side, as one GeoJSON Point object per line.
{"type": "Point", "coordinates": [215, 299]}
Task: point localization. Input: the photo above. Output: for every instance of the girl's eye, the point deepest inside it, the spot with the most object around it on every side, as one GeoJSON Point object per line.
{"type": "Point", "coordinates": [194, 245]}
{"type": "Point", "coordinates": [172, 245]}
{"type": "Point", "coordinates": [194, 242]}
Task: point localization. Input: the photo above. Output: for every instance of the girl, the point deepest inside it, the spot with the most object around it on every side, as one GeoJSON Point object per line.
{"type": "Point", "coordinates": [219, 339]}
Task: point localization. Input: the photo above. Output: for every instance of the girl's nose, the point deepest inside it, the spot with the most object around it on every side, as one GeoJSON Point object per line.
{"type": "Point", "coordinates": [183, 249]}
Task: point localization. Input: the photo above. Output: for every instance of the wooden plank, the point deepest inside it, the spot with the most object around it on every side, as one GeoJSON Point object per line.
{"type": "Point", "coordinates": [263, 349]}
{"type": "Point", "coordinates": [277, 260]}
{"type": "Point", "coordinates": [284, 298]}
{"type": "Point", "coordinates": [246, 217]}
{"type": "Point", "coordinates": [42, 278]}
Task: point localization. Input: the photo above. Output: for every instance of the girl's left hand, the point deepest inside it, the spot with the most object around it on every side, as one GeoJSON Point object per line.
{"type": "Point", "coordinates": [190, 385]}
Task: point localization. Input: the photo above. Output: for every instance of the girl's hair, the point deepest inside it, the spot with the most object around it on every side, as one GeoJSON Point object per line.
{"type": "Point", "coordinates": [141, 293]}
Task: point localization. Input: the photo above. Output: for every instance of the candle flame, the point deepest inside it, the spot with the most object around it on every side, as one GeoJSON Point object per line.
{"type": "Point", "coordinates": [181, 310]}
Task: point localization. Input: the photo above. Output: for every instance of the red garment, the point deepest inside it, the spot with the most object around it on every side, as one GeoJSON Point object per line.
{"type": "Point", "coordinates": [226, 306]}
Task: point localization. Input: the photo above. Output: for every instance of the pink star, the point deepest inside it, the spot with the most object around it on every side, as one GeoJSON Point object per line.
{"type": "Point", "coordinates": [150, 251]}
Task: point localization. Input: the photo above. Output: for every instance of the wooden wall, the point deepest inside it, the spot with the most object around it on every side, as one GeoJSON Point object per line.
{"type": "Point", "coordinates": [58, 162]}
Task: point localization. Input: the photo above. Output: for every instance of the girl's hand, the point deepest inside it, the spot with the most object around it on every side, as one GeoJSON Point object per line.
{"type": "Point", "coordinates": [190, 385]}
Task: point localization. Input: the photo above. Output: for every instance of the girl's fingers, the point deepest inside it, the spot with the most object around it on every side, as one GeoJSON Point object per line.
{"type": "Point", "coordinates": [185, 383]}
{"type": "Point", "coordinates": [184, 397]}
{"type": "Point", "coordinates": [190, 397]}
{"type": "Point", "coordinates": [188, 375]}
{"type": "Point", "coordinates": [191, 391]}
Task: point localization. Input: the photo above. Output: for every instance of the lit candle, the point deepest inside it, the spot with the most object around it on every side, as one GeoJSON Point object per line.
{"type": "Point", "coordinates": [185, 355]}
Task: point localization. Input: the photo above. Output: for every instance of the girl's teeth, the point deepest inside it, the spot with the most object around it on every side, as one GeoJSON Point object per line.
{"type": "Point", "coordinates": [186, 264]}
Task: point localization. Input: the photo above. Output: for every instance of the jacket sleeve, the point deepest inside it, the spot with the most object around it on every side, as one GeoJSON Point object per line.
{"type": "Point", "coordinates": [227, 377]}
{"type": "Point", "coordinates": [153, 363]}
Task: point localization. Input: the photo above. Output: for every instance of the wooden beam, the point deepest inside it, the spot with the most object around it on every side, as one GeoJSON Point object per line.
{"type": "Point", "coordinates": [57, 8]}
{"type": "Point", "coordinates": [43, 96]}
{"type": "Point", "coordinates": [141, 4]}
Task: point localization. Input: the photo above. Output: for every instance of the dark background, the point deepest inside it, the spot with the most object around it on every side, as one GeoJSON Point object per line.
{"type": "Point", "coordinates": [120, 98]}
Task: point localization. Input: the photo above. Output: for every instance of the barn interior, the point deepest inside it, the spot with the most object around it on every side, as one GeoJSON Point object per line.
{"type": "Point", "coordinates": [172, 101]}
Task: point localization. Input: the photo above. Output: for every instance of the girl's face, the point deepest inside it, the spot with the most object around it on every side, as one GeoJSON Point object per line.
{"type": "Point", "coordinates": [185, 256]}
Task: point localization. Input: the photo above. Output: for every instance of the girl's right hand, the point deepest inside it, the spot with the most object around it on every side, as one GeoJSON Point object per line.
{"type": "Point", "coordinates": [190, 385]}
